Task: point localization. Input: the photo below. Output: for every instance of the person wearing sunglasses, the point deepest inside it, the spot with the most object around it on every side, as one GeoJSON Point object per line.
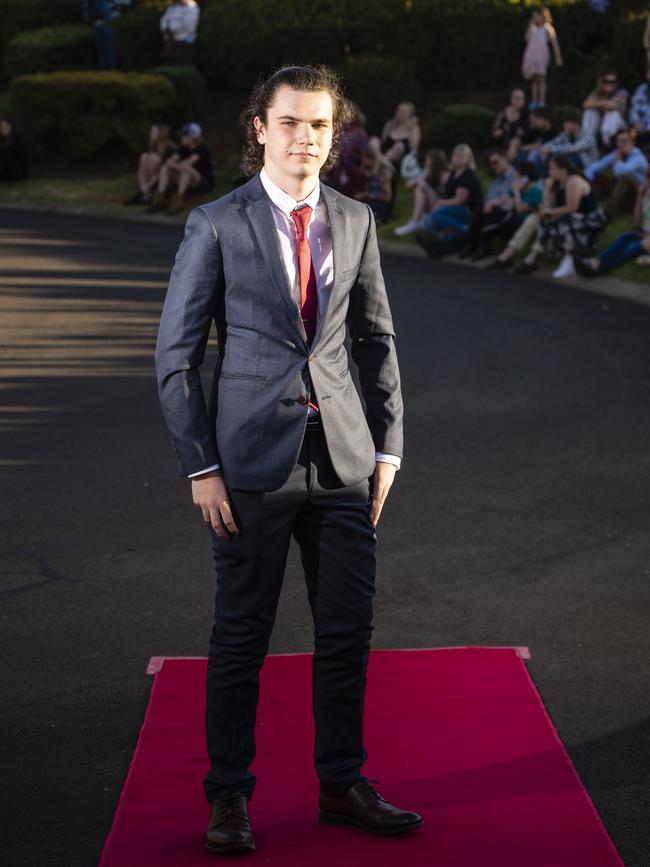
{"type": "Point", "coordinates": [605, 109]}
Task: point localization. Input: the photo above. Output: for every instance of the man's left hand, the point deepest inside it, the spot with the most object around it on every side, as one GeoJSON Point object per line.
{"type": "Point", "coordinates": [383, 479]}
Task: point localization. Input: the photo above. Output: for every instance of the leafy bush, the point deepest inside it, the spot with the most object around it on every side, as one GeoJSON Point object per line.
{"type": "Point", "coordinates": [62, 46]}
{"type": "Point", "coordinates": [19, 15]}
{"type": "Point", "coordinates": [233, 47]}
{"type": "Point", "coordinates": [86, 111]}
{"type": "Point", "coordinates": [377, 85]}
{"type": "Point", "coordinates": [189, 85]}
{"type": "Point", "coordinates": [139, 42]}
{"type": "Point", "coordinates": [459, 123]}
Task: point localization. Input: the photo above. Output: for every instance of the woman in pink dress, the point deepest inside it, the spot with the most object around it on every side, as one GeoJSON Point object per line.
{"type": "Point", "coordinates": [540, 34]}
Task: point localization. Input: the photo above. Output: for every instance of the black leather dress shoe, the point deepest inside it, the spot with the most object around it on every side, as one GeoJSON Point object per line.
{"type": "Point", "coordinates": [229, 828]}
{"type": "Point", "coordinates": [363, 806]}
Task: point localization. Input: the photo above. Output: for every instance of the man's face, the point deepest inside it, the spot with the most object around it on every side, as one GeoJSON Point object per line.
{"type": "Point", "coordinates": [571, 127]}
{"type": "Point", "coordinates": [297, 135]}
{"type": "Point", "coordinates": [498, 165]}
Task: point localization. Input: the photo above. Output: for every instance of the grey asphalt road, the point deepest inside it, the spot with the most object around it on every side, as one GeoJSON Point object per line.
{"type": "Point", "coordinates": [520, 516]}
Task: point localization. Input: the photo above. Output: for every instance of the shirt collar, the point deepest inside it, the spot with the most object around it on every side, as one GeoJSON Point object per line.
{"type": "Point", "coordinates": [284, 201]}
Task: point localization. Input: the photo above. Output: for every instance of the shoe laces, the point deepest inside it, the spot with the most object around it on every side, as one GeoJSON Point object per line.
{"type": "Point", "coordinates": [230, 805]}
{"type": "Point", "coordinates": [370, 793]}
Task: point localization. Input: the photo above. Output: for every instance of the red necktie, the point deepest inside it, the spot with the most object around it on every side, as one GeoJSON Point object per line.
{"type": "Point", "coordinates": [306, 273]}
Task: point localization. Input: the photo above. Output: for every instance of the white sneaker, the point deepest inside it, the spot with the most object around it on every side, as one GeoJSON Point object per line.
{"type": "Point", "coordinates": [566, 268]}
{"type": "Point", "coordinates": [406, 229]}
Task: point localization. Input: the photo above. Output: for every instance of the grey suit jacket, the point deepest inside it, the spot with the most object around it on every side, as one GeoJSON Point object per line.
{"type": "Point", "coordinates": [229, 271]}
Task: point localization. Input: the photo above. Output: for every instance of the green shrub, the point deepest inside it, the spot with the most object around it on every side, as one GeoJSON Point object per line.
{"type": "Point", "coordinates": [62, 46]}
{"type": "Point", "coordinates": [139, 41]}
{"type": "Point", "coordinates": [459, 123]}
{"type": "Point", "coordinates": [377, 85]}
{"type": "Point", "coordinates": [84, 112]}
{"type": "Point", "coordinates": [234, 46]}
{"type": "Point", "coordinates": [190, 89]}
{"type": "Point", "coordinates": [19, 15]}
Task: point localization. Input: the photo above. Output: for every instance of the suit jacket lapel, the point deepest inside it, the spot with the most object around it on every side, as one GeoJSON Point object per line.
{"type": "Point", "coordinates": [337, 222]}
{"type": "Point", "coordinates": [258, 210]}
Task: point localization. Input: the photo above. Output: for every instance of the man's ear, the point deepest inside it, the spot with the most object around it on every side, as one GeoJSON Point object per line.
{"type": "Point", "coordinates": [260, 130]}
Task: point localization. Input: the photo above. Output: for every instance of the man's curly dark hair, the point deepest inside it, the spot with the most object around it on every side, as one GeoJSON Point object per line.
{"type": "Point", "coordinates": [310, 78]}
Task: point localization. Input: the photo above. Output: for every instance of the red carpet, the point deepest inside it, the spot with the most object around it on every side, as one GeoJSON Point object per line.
{"type": "Point", "coordinates": [460, 735]}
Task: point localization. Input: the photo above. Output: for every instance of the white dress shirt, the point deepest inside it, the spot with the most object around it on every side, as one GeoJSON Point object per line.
{"type": "Point", "coordinates": [182, 22]}
{"type": "Point", "coordinates": [319, 238]}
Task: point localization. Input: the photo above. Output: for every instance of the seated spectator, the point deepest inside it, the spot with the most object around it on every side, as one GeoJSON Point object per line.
{"type": "Point", "coordinates": [179, 24]}
{"type": "Point", "coordinates": [378, 191]}
{"type": "Point", "coordinates": [496, 208]}
{"type": "Point", "coordinates": [13, 156]}
{"type": "Point", "coordinates": [523, 222]}
{"type": "Point", "coordinates": [640, 111]}
{"type": "Point", "coordinates": [571, 224]}
{"type": "Point", "coordinates": [605, 109]}
{"type": "Point", "coordinates": [401, 134]}
{"type": "Point", "coordinates": [445, 227]}
{"type": "Point", "coordinates": [539, 131]}
{"type": "Point", "coordinates": [577, 144]}
{"type": "Point", "coordinates": [629, 166]}
{"type": "Point", "coordinates": [346, 175]}
{"type": "Point", "coordinates": [512, 121]}
{"type": "Point", "coordinates": [427, 189]}
{"type": "Point", "coordinates": [159, 150]}
{"type": "Point", "coordinates": [629, 245]}
{"type": "Point", "coordinates": [190, 169]}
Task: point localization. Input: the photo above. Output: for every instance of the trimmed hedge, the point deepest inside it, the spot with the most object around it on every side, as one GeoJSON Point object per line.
{"type": "Point", "coordinates": [62, 46]}
{"type": "Point", "coordinates": [360, 76]}
{"type": "Point", "coordinates": [460, 123]}
{"type": "Point", "coordinates": [139, 41]}
{"type": "Point", "coordinates": [19, 15]}
{"type": "Point", "coordinates": [87, 111]}
{"type": "Point", "coordinates": [190, 89]}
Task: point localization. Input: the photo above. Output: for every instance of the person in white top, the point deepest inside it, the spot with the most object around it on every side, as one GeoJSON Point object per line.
{"type": "Point", "coordinates": [179, 24]}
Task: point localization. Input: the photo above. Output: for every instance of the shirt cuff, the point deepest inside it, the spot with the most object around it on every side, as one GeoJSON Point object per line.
{"type": "Point", "coordinates": [388, 459]}
{"type": "Point", "coordinates": [206, 470]}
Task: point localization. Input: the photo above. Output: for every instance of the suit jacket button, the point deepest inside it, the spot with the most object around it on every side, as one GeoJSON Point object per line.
{"type": "Point", "coordinates": [302, 399]}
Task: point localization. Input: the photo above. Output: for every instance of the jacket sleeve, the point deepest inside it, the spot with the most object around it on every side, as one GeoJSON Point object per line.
{"type": "Point", "coordinates": [192, 296]}
{"type": "Point", "coordinates": [373, 349]}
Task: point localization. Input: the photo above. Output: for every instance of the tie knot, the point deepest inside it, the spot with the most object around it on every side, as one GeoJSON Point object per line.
{"type": "Point", "coordinates": [300, 217]}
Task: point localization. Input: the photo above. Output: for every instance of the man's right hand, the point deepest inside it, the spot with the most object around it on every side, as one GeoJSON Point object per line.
{"type": "Point", "coordinates": [211, 497]}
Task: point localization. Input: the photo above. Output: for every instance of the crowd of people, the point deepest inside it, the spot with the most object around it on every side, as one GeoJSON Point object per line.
{"type": "Point", "coordinates": [552, 188]}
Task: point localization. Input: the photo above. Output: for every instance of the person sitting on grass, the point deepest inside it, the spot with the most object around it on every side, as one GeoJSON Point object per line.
{"type": "Point", "coordinates": [159, 150]}
{"type": "Point", "coordinates": [13, 156]}
{"type": "Point", "coordinates": [574, 142]}
{"type": "Point", "coordinates": [188, 170]}
{"type": "Point", "coordinates": [346, 175]}
{"type": "Point", "coordinates": [496, 209]}
{"type": "Point", "coordinates": [528, 145]}
{"type": "Point", "coordinates": [628, 246]}
{"type": "Point", "coordinates": [445, 227]}
{"type": "Point", "coordinates": [629, 166]}
{"type": "Point", "coordinates": [523, 221]}
{"type": "Point", "coordinates": [512, 121]}
{"type": "Point", "coordinates": [571, 224]}
{"type": "Point", "coordinates": [378, 191]}
{"type": "Point", "coordinates": [640, 111]}
{"type": "Point", "coordinates": [605, 109]}
{"type": "Point", "coordinates": [427, 188]}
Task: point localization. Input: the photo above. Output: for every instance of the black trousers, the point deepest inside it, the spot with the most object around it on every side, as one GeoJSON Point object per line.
{"type": "Point", "coordinates": [331, 524]}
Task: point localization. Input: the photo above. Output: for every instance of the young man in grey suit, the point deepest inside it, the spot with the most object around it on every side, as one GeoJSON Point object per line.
{"type": "Point", "coordinates": [281, 266]}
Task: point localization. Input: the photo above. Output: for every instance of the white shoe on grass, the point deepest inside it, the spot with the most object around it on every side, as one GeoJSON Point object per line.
{"type": "Point", "coordinates": [406, 229]}
{"type": "Point", "coordinates": [566, 268]}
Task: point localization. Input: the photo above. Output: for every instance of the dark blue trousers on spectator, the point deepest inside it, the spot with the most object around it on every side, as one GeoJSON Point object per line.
{"type": "Point", "coordinates": [625, 248]}
{"type": "Point", "coordinates": [106, 53]}
{"type": "Point", "coordinates": [450, 217]}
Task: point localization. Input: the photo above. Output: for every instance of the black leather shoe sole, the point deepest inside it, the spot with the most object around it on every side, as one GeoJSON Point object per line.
{"type": "Point", "coordinates": [338, 819]}
{"type": "Point", "coordinates": [230, 848]}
